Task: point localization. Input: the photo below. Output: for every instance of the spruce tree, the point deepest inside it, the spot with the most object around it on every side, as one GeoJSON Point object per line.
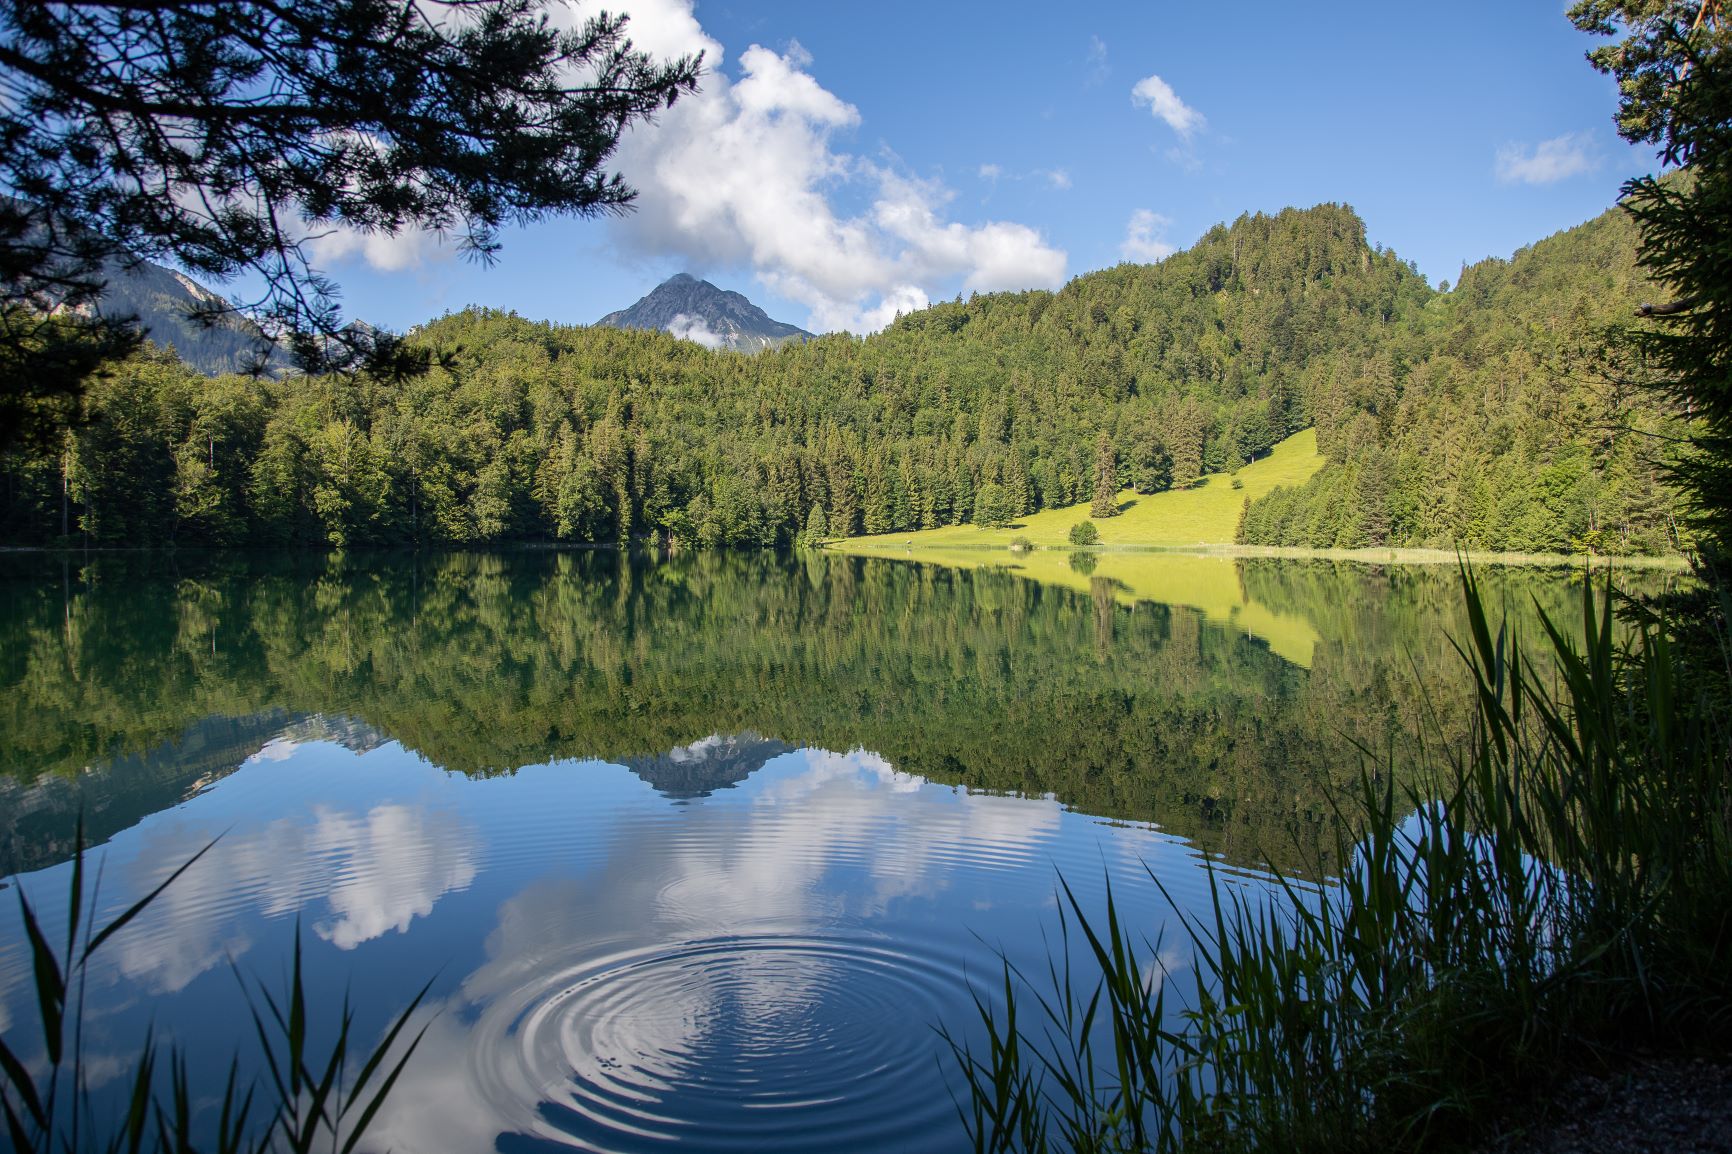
{"type": "Point", "coordinates": [1106, 502]}
{"type": "Point", "coordinates": [817, 526]}
{"type": "Point", "coordinates": [991, 510]}
{"type": "Point", "coordinates": [1675, 84]}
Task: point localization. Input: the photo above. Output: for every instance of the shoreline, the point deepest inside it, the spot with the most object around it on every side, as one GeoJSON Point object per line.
{"type": "Point", "coordinates": [1399, 556]}
{"type": "Point", "coordinates": [845, 547]}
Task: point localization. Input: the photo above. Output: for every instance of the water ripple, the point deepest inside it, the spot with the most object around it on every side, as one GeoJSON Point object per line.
{"type": "Point", "coordinates": [744, 1042]}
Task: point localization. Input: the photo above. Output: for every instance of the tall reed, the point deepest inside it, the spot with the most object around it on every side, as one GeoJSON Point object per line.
{"type": "Point", "coordinates": [1553, 893]}
{"type": "Point", "coordinates": [307, 1101]}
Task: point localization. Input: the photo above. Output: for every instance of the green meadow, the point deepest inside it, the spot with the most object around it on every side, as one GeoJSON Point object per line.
{"type": "Point", "coordinates": [1205, 514]}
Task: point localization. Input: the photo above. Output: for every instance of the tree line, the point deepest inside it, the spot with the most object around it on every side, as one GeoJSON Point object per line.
{"type": "Point", "coordinates": [1444, 416]}
{"type": "Point", "coordinates": [1510, 416]}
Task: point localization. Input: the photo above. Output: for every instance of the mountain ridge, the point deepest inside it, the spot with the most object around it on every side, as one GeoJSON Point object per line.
{"type": "Point", "coordinates": [168, 304]}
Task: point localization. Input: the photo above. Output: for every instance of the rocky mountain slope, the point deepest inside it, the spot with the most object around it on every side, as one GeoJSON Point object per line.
{"type": "Point", "coordinates": [167, 305]}
{"type": "Point", "coordinates": [696, 310]}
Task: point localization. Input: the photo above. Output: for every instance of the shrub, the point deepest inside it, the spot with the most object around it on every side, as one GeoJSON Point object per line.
{"type": "Point", "coordinates": [1084, 533]}
{"type": "Point", "coordinates": [1020, 544]}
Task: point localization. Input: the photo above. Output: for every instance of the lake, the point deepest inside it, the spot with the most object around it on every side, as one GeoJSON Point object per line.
{"type": "Point", "coordinates": [700, 848]}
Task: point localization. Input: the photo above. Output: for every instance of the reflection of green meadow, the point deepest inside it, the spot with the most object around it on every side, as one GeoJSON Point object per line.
{"type": "Point", "coordinates": [1209, 583]}
{"type": "Point", "coordinates": [1208, 694]}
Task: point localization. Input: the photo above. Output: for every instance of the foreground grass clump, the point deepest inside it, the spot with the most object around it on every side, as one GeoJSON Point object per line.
{"type": "Point", "coordinates": [311, 1098]}
{"type": "Point", "coordinates": [1559, 895]}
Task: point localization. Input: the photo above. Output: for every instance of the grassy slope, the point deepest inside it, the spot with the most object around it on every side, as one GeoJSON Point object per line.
{"type": "Point", "coordinates": [1205, 515]}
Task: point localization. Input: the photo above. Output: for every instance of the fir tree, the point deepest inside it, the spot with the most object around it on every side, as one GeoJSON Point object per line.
{"type": "Point", "coordinates": [817, 526]}
{"type": "Point", "coordinates": [1106, 502]}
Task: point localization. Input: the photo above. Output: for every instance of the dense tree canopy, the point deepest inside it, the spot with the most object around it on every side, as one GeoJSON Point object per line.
{"type": "Point", "coordinates": [1506, 416]}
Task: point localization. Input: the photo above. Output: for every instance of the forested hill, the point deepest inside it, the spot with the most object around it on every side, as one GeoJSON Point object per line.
{"type": "Point", "coordinates": [538, 431]}
{"type": "Point", "coordinates": [1502, 420]}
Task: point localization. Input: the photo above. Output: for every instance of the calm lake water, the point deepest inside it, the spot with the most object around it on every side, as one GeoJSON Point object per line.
{"type": "Point", "coordinates": [699, 849]}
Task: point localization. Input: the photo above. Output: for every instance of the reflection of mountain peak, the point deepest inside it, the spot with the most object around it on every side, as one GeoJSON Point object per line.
{"type": "Point", "coordinates": [715, 762]}
{"type": "Point", "coordinates": [353, 735]}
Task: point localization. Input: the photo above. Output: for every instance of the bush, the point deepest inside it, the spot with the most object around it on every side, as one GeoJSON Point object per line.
{"type": "Point", "coordinates": [1084, 533]}
{"type": "Point", "coordinates": [1020, 544]}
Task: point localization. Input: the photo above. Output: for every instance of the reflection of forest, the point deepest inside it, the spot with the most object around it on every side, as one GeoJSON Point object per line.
{"type": "Point", "coordinates": [121, 676]}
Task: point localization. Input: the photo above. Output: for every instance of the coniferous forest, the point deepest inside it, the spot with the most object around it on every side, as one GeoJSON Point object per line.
{"type": "Point", "coordinates": [1484, 415]}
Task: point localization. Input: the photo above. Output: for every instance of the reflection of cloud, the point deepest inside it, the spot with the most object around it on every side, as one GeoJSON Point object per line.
{"type": "Point", "coordinates": [409, 866]}
{"type": "Point", "coordinates": [436, 1104]}
{"type": "Point", "coordinates": [811, 851]}
{"type": "Point", "coordinates": [844, 811]}
{"type": "Point", "coordinates": [377, 872]}
{"type": "Point", "coordinates": [701, 749]}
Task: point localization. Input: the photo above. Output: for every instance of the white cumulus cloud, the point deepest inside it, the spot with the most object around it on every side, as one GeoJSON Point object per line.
{"type": "Point", "coordinates": [387, 252]}
{"type": "Point", "coordinates": [1146, 237]}
{"type": "Point", "coordinates": [1548, 161]}
{"type": "Point", "coordinates": [751, 172]}
{"type": "Point", "coordinates": [1165, 104]}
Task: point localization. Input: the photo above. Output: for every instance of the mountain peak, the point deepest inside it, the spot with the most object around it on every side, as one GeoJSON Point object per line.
{"type": "Point", "coordinates": [696, 310]}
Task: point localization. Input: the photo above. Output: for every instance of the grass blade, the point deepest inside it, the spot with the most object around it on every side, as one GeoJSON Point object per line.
{"type": "Point", "coordinates": [138, 907]}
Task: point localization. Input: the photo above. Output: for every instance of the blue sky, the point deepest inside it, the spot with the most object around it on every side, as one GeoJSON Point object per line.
{"type": "Point", "coordinates": [847, 161]}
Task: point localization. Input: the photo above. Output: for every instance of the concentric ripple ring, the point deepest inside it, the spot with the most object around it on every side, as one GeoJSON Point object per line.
{"type": "Point", "coordinates": [740, 1042]}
